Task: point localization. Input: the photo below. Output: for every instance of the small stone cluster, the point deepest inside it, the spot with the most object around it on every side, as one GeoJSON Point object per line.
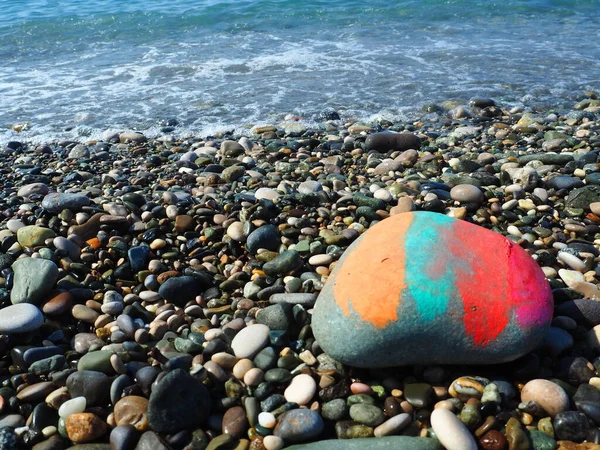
{"type": "Point", "coordinates": [159, 293]}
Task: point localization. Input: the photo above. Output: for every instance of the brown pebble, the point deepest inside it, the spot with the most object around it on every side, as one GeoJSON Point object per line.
{"type": "Point", "coordinates": [132, 410]}
{"type": "Point", "coordinates": [391, 407]}
{"type": "Point", "coordinates": [184, 223]}
{"type": "Point", "coordinates": [487, 425]}
{"type": "Point", "coordinates": [166, 275]}
{"type": "Point", "coordinates": [58, 304]}
{"type": "Point", "coordinates": [235, 422]}
{"type": "Point", "coordinates": [493, 440]}
{"type": "Point", "coordinates": [85, 427]}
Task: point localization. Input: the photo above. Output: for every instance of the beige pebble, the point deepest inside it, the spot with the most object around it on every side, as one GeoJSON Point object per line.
{"type": "Point", "coordinates": [301, 390]}
{"type": "Point", "coordinates": [225, 360]}
{"type": "Point", "coordinates": [393, 425]}
{"type": "Point", "coordinates": [547, 394]}
{"type": "Point", "coordinates": [451, 432]}
{"type": "Point", "coordinates": [242, 367]}
{"type": "Point", "coordinates": [254, 377]}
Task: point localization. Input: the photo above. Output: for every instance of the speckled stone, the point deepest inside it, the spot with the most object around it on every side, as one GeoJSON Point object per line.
{"type": "Point", "coordinates": [429, 293]}
{"type": "Point", "coordinates": [85, 427]}
{"type": "Point", "coordinates": [34, 236]}
{"type": "Point", "coordinates": [34, 278]}
{"type": "Point", "coordinates": [299, 425]}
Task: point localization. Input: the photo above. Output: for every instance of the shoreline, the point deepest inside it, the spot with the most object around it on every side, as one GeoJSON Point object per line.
{"type": "Point", "coordinates": [155, 262]}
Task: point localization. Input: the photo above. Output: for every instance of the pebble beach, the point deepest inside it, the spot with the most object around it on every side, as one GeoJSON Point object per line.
{"type": "Point", "coordinates": [157, 292]}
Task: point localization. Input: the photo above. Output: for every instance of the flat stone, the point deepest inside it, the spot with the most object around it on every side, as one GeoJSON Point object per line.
{"type": "Point", "coordinates": [583, 197]}
{"type": "Point", "coordinates": [285, 262]}
{"type": "Point", "coordinates": [299, 298]}
{"type": "Point", "coordinates": [177, 402]}
{"type": "Point", "coordinates": [384, 443]}
{"type": "Point", "coordinates": [34, 278]}
{"type": "Point", "coordinates": [34, 236]}
{"type": "Point", "coordinates": [94, 386]}
{"type": "Point", "coordinates": [56, 202]}
{"type": "Point", "coordinates": [97, 361]}
{"type": "Point", "coordinates": [32, 188]}
{"type": "Point", "coordinates": [20, 318]}
{"type": "Point", "coordinates": [250, 340]}
{"type": "Point", "coordinates": [434, 281]}
{"type": "Point", "coordinates": [586, 312]}
{"type": "Point", "coordinates": [386, 141]}
{"type": "Point", "coordinates": [299, 425]}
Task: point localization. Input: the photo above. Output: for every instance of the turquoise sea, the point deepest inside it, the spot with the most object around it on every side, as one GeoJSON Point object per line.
{"type": "Point", "coordinates": [71, 68]}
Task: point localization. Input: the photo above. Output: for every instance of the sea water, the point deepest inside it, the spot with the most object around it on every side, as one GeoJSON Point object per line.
{"type": "Point", "coordinates": [72, 69]}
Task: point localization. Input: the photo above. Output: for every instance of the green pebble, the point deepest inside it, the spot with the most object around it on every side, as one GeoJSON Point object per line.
{"type": "Point", "coordinates": [470, 416]}
{"type": "Point", "coordinates": [360, 398]}
{"type": "Point", "coordinates": [365, 414]}
{"type": "Point", "coordinates": [541, 441]}
{"type": "Point", "coordinates": [98, 361]}
{"type": "Point", "coordinates": [545, 426]}
{"type": "Point", "coordinates": [335, 409]}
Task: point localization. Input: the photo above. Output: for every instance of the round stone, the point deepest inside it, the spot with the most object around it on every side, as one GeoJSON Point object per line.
{"type": "Point", "coordinates": [132, 410]}
{"type": "Point", "coordinates": [467, 193]}
{"type": "Point", "coordinates": [301, 390]}
{"type": "Point", "coordinates": [20, 318]}
{"type": "Point", "coordinates": [423, 268]}
{"type": "Point", "coordinates": [547, 394]}
{"type": "Point", "coordinates": [299, 425]}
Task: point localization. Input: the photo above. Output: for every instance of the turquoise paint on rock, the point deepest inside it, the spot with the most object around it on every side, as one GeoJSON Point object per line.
{"type": "Point", "coordinates": [431, 277]}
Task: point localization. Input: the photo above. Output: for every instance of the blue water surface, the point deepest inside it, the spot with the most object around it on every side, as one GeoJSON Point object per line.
{"type": "Point", "coordinates": [72, 68]}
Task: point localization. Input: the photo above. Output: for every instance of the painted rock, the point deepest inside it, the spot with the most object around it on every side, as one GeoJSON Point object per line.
{"type": "Point", "coordinates": [423, 288]}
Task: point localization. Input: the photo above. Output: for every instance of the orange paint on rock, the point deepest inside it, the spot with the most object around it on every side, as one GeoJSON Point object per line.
{"type": "Point", "coordinates": [376, 296]}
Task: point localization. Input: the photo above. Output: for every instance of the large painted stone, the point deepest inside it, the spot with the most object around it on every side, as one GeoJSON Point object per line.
{"type": "Point", "coordinates": [423, 288]}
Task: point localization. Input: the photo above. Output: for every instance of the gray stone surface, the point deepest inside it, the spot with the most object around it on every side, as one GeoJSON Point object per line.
{"type": "Point", "coordinates": [34, 278]}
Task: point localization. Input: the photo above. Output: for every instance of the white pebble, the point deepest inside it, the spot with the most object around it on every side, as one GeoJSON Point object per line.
{"type": "Point", "coordinates": [267, 420]}
{"type": "Point", "coordinates": [301, 389]}
{"type": "Point", "coordinates": [392, 425]}
{"type": "Point", "coordinates": [74, 406]}
{"type": "Point", "coordinates": [514, 231]}
{"type": "Point", "coordinates": [273, 443]}
{"type": "Point", "coordinates": [451, 432]}
{"type": "Point", "coordinates": [572, 261]}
